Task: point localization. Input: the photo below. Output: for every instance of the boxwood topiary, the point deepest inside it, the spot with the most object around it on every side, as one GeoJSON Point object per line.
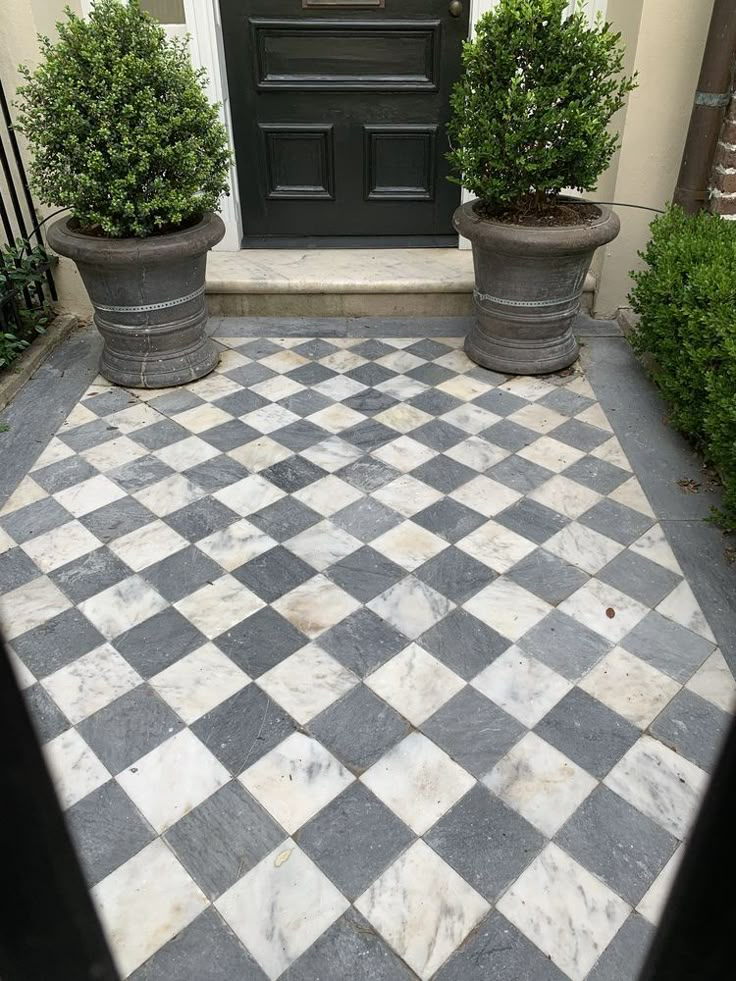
{"type": "Point", "coordinates": [120, 127]}
{"type": "Point", "coordinates": [530, 114]}
{"type": "Point", "coordinates": [686, 299]}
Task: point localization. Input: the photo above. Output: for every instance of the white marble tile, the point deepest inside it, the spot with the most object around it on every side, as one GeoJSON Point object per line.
{"type": "Point", "coordinates": [114, 453]}
{"type": "Point", "coordinates": [527, 387]}
{"type": "Point", "coordinates": [593, 604]}
{"type": "Point", "coordinates": [339, 388]}
{"type": "Point", "coordinates": [202, 417]}
{"type": "Point", "coordinates": [595, 416]}
{"type": "Point", "coordinates": [682, 607]}
{"type": "Point", "coordinates": [147, 545]}
{"type": "Point", "coordinates": [423, 908]}
{"type": "Point", "coordinates": [277, 388]}
{"type": "Point", "coordinates": [335, 418]}
{"type": "Point", "coordinates": [295, 780]}
{"type": "Point", "coordinates": [631, 495]}
{"type": "Point", "coordinates": [565, 495]}
{"type": "Point", "coordinates": [283, 361]}
{"type": "Point", "coordinates": [60, 545]}
{"type": "Point", "coordinates": [402, 387]}
{"type": "Point", "coordinates": [198, 682]}
{"type": "Point", "coordinates": [219, 605]}
{"type": "Point", "coordinates": [260, 454]}
{"type": "Point", "coordinates": [186, 453]}
{"type": "Point", "coordinates": [281, 907]}
{"type": "Point", "coordinates": [407, 495]}
{"type": "Point", "coordinates": [660, 783]}
{"type": "Point", "coordinates": [408, 544]}
{"type": "Point", "coordinates": [477, 453]}
{"type": "Point", "coordinates": [269, 418]}
{"type": "Point", "coordinates": [79, 415]}
{"type": "Point", "coordinates": [563, 909]}
{"type": "Point", "coordinates": [91, 682]}
{"type": "Point", "coordinates": [238, 543]}
{"type": "Point", "coordinates": [135, 417]}
{"type": "Point", "coordinates": [470, 418]}
{"type": "Point", "coordinates": [538, 418]}
{"type": "Point", "coordinates": [334, 453]}
{"type": "Point", "coordinates": [122, 606]}
{"type": "Point", "coordinates": [612, 452]}
{"type": "Point", "coordinates": [327, 495]}
{"type": "Point", "coordinates": [522, 686]}
{"type": "Point", "coordinates": [653, 902]}
{"type": "Point", "coordinates": [418, 781]}
{"type": "Point", "coordinates": [654, 546]}
{"type": "Point", "coordinates": [415, 683]}
{"type": "Point", "coordinates": [464, 387]}
{"type": "Point", "coordinates": [404, 453]}
{"type": "Point", "coordinates": [89, 495]}
{"type": "Point", "coordinates": [485, 496]}
{"type": "Point", "coordinates": [343, 361]}
{"type": "Point", "coordinates": [249, 495]}
{"type": "Point", "coordinates": [630, 686]}
{"type": "Point", "coordinates": [540, 782]}
{"type": "Point", "coordinates": [714, 682]}
{"type": "Point", "coordinates": [496, 546]}
{"type": "Point", "coordinates": [213, 387]}
{"type": "Point", "coordinates": [74, 768]}
{"type": "Point", "coordinates": [508, 608]}
{"type": "Point", "coordinates": [551, 453]}
{"type": "Point", "coordinates": [145, 903]}
{"type": "Point", "coordinates": [580, 386]}
{"type": "Point", "coordinates": [230, 359]}
{"type": "Point", "coordinates": [323, 544]}
{"type": "Point", "coordinates": [172, 779]}
{"type": "Point", "coordinates": [456, 361]}
{"type": "Point", "coordinates": [401, 362]}
{"type": "Point", "coordinates": [316, 606]}
{"type": "Point", "coordinates": [307, 682]}
{"type": "Point", "coordinates": [22, 675]}
{"type": "Point", "coordinates": [31, 605]}
{"type": "Point", "coordinates": [27, 492]}
{"type": "Point", "coordinates": [583, 547]}
{"type": "Point", "coordinates": [55, 452]}
{"type": "Point", "coordinates": [6, 542]}
{"type": "Point", "coordinates": [411, 606]}
{"type": "Point", "coordinates": [169, 495]}
{"type": "Point", "coordinates": [403, 417]}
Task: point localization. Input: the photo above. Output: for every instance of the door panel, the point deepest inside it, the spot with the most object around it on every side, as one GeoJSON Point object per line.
{"type": "Point", "coordinates": [339, 111]}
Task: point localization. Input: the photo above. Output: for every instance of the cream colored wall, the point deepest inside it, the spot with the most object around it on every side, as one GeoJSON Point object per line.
{"type": "Point", "coordinates": [665, 40]}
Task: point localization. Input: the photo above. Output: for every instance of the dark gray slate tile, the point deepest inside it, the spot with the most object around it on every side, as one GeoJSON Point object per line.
{"type": "Point", "coordinates": [368, 474]}
{"type": "Point", "coordinates": [129, 727]}
{"type": "Point", "coordinates": [354, 839]}
{"type": "Point", "coordinates": [532, 520]}
{"type": "Point", "coordinates": [159, 641]}
{"type": "Point", "coordinates": [486, 842]}
{"type": "Point", "coordinates": [241, 403]}
{"type": "Point", "coordinates": [368, 435]}
{"type": "Point", "coordinates": [581, 435]}
{"type": "Point", "coordinates": [428, 349]}
{"type": "Point", "coordinates": [107, 830]}
{"type": "Point", "coordinates": [639, 578]}
{"type": "Point", "coordinates": [182, 573]}
{"type": "Point", "coordinates": [311, 374]}
{"type": "Point", "coordinates": [316, 349]}
{"type": "Point", "coordinates": [55, 643]}
{"type": "Point", "coordinates": [464, 643]}
{"type": "Point", "coordinates": [300, 435]}
{"type": "Point", "coordinates": [294, 473]}
{"type": "Point", "coordinates": [618, 522]}
{"type": "Point", "coordinates": [619, 844]}
{"type": "Point", "coordinates": [673, 649]}
{"type": "Point", "coordinates": [473, 730]}
{"type": "Point", "coordinates": [306, 402]}
{"type": "Point", "coordinates": [213, 475]}
{"type": "Point", "coordinates": [624, 957]}
{"type": "Point", "coordinates": [567, 402]}
{"type": "Point", "coordinates": [111, 400]}
{"type": "Point", "coordinates": [510, 435]}
{"type": "Point", "coordinates": [90, 434]}
{"type": "Point", "coordinates": [117, 519]}
{"type": "Point", "coordinates": [90, 574]}
{"type": "Point", "coordinates": [250, 374]}
{"type": "Point", "coordinates": [352, 949]}
{"type": "Point", "coordinates": [160, 434]}
{"type": "Point", "coordinates": [522, 475]}
{"type": "Point", "coordinates": [449, 519]}
{"type": "Point", "coordinates": [438, 435]}
{"type": "Point", "coordinates": [431, 374]}
{"type": "Point", "coordinates": [693, 727]}
{"type": "Point", "coordinates": [547, 576]}
{"type": "Point", "coordinates": [173, 402]}
{"type": "Point", "coordinates": [455, 574]}
{"type": "Point", "coordinates": [565, 645]}
{"type": "Point", "coordinates": [223, 838]}
{"type": "Point", "coordinates": [274, 573]}
{"type": "Point", "coordinates": [258, 349]}
{"type": "Point", "coordinates": [139, 473]}
{"type": "Point", "coordinates": [285, 518]}
{"type": "Point", "coordinates": [16, 569]}
{"type": "Point", "coordinates": [365, 573]}
{"type": "Point", "coordinates": [229, 435]}
{"type": "Point", "coordinates": [244, 728]}
{"type": "Point", "coordinates": [587, 732]}
{"type": "Point", "coordinates": [598, 475]}
{"type": "Point", "coordinates": [359, 728]}
{"type": "Point", "coordinates": [35, 519]}
{"type": "Point", "coordinates": [373, 349]}
{"type": "Point", "coordinates": [444, 474]}
{"type": "Point", "coordinates": [261, 641]}
{"type": "Point", "coordinates": [201, 518]}
{"type": "Point", "coordinates": [206, 949]}
{"type": "Point", "coordinates": [370, 401]}
{"type": "Point", "coordinates": [362, 642]}
{"type": "Point", "coordinates": [367, 518]}
{"type": "Point", "coordinates": [500, 402]}
{"type": "Point", "coordinates": [434, 402]}
{"type": "Point", "coordinates": [48, 719]}
{"type": "Point", "coordinates": [496, 949]}
{"type": "Point", "coordinates": [371, 374]}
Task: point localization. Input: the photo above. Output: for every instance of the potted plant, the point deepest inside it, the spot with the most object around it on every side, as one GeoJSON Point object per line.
{"type": "Point", "coordinates": [529, 119]}
{"type": "Point", "coordinates": [123, 136]}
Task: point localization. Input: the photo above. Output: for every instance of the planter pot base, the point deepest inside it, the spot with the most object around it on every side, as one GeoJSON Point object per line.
{"type": "Point", "coordinates": [155, 371]}
{"type": "Point", "coordinates": [518, 356]}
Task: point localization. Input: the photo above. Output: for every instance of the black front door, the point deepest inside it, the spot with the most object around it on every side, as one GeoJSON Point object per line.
{"type": "Point", "coordinates": [339, 110]}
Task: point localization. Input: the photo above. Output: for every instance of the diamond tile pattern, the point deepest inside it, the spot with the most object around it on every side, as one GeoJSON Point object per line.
{"type": "Point", "coordinates": [347, 643]}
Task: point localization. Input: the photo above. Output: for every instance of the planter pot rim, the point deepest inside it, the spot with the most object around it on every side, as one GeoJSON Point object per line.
{"type": "Point", "coordinates": [194, 240]}
{"type": "Point", "coordinates": [529, 240]}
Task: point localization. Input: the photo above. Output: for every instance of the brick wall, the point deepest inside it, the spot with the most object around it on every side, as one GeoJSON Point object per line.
{"type": "Point", "coordinates": [722, 189]}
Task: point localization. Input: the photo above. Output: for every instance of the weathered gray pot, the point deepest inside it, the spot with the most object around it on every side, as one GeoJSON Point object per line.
{"type": "Point", "coordinates": [149, 302]}
{"type": "Point", "coordinates": [528, 286]}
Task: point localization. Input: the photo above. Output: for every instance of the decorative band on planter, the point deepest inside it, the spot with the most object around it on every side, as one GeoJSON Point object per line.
{"type": "Point", "coordinates": [149, 300]}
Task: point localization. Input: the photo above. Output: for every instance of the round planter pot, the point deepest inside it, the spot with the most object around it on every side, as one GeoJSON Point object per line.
{"type": "Point", "coordinates": [149, 301]}
{"type": "Point", "coordinates": [528, 286]}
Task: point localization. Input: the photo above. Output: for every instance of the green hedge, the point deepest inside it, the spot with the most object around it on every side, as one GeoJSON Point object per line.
{"type": "Point", "coordinates": [686, 298]}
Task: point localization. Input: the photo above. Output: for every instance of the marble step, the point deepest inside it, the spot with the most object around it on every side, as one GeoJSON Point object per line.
{"type": "Point", "coordinates": [344, 283]}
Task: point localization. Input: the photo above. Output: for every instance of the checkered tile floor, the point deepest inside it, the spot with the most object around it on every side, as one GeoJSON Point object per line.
{"type": "Point", "coordinates": [354, 660]}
